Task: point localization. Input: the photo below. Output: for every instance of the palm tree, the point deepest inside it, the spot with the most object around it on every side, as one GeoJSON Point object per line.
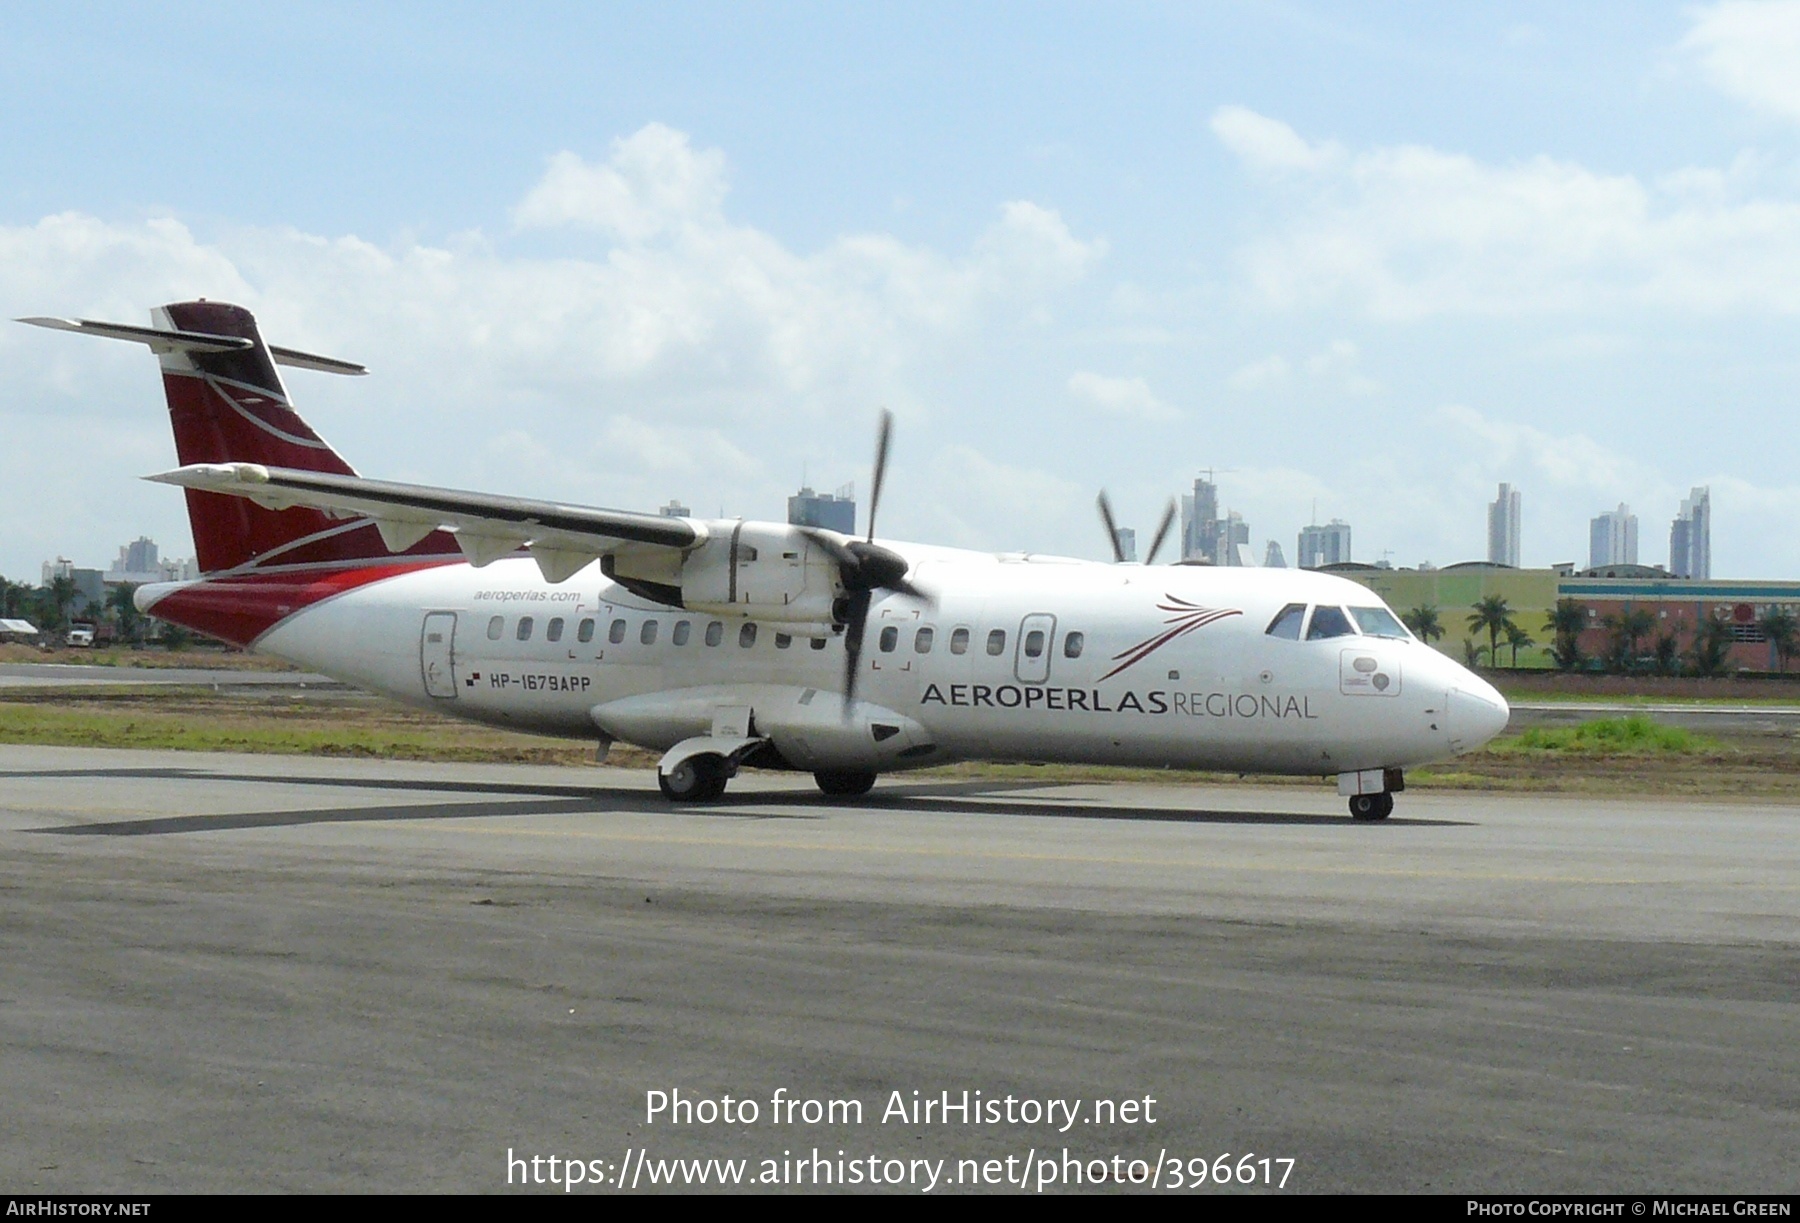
{"type": "Point", "coordinates": [58, 595]}
{"type": "Point", "coordinates": [1472, 653]}
{"type": "Point", "coordinates": [1493, 615]}
{"type": "Point", "coordinates": [1518, 639]}
{"type": "Point", "coordinates": [1782, 628]}
{"type": "Point", "coordinates": [1712, 647]}
{"type": "Point", "coordinates": [1564, 623]}
{"type": "Point", "coordinates": [1423, 621]}
{"type": "Point", "coordinates": [1627, 629]}
{"type": "Point", "coordinates": [124, 608]}
{"type": "Point", "coordinates": [1668, 655]}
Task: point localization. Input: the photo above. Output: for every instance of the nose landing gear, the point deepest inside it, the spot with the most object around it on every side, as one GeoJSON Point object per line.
{"type": "Point", "coordinates": [1371, 792]}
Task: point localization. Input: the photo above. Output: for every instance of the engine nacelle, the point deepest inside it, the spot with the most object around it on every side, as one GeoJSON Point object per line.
{"type": "Point", "coordinates": [758, 570]}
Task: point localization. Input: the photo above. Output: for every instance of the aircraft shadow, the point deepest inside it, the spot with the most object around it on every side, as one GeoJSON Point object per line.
{"type": "Point", "coordinates": [509, 799]}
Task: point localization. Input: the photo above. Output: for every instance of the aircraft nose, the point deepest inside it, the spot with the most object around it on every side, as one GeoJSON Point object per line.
{"type": "Point", "coordinates": [1477, 713]}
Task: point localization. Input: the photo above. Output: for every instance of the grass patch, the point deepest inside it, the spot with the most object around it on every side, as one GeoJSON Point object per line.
{"type": "Point", "coordinates": [195, 723]}
{"type": "Point", "coordinates": [1635, 735]}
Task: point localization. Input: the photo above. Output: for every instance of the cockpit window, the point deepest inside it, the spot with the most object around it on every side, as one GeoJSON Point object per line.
{"type": "Point", "coordinates": [1329, 621]}
{"type": "Point", "coordinates": [1379, 622]}
{"type": "Point", "coordinates": [1287, 622]}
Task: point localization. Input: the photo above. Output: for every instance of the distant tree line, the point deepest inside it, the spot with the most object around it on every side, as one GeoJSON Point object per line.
{"type": "Point", "coordinates": [51, 607]}
{"type": "Point", "coordinates": [1630, 647]}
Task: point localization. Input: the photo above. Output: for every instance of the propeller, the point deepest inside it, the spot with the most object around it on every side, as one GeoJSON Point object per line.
{"type": "Point", "coordinates": [865, 567]}
{"type": "Point", "coordinates": [1112, 529]}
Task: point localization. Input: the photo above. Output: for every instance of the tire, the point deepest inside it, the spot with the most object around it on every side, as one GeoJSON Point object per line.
{"type": "Point", "coordinates": [1370, 807]}
{"type": "Point", "coordinates": [845, 783]}
{"type": "Point", "coordinates": [698, 779]}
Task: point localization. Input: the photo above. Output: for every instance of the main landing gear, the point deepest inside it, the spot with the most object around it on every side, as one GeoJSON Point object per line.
{"type": "Point", "coordinates": [845, 783]}
{"type": "Point", "coordinates": [698, 779]}
{"type": "Point", "coordinates": [1371, 806]}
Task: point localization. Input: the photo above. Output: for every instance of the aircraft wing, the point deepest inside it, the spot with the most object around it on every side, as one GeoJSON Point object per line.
{"type": "Point", "coordinates": [563, 539]}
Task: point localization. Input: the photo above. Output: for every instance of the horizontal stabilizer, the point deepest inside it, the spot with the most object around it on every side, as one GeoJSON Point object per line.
{"type": "Point", "coordinates": [168, 340]}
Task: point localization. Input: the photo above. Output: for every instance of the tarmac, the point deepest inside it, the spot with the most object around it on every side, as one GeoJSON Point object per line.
{"type": "Point", "coordinates": [238, 973]}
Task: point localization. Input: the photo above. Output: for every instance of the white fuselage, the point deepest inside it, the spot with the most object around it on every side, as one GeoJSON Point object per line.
{"type": "Point", "coordinates": [1203, 683]}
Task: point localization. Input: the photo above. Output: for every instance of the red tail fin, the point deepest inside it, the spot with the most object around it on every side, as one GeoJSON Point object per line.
{"type": "Point", "coordinates": [230, 407]}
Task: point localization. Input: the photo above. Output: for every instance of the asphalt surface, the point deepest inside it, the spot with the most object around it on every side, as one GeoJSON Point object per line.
{"type": "Point", "coordinates": [253, 973]}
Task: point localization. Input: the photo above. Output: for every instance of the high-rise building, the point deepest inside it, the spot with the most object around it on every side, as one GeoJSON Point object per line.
{"type": "Point", "coordinates": [1613, 538]}
{"type": "Point", "coordinates": [1503, 527]}
{"type": "Point", "coordinates": [1690, 537]}
{"type": "Point", "coordinates": [1324, 545]}
{"type": "Point", "coordinates": [675, 510]}
{"type": "Point", "coordinates": [1200, 523]}
{"type": "Point", "coordinates": [834, 512]}
{"type": "Point", "coordinates": [1127, 541]}
{"type": "Point", "coordinates": [1230, 539]}
{"type": "Point", "coordinates": [1272, 559]}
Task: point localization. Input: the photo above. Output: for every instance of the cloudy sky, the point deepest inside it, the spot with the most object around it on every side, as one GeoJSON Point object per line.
{"type": "Point", "coordinates": [1371, 258]}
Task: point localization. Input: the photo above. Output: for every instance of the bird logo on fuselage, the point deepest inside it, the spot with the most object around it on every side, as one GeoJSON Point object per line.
{"type": "Point", "coordinates": [1184, 618]}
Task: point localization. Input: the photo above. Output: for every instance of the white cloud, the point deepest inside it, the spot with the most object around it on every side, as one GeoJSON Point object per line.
{"type": "Point", "coordinates": [1750, 50]}
{"type": "Point", "coordinates": [1270, 144]}
{"type": "Point", "coordinates": [653, 182]}
{"type": "Point", "coordinates": [1406, 232]}
{"type": "Point", "coordinates": [1270, 373]}
{"type": "Point", "coordinates": [966, 493]}
{"type": "Point", "coordinates": [1333, 367]}
{"type": "Point", "coordinates": [1130, 397]}
{"type": "Point", "coordinates": [693, 355]}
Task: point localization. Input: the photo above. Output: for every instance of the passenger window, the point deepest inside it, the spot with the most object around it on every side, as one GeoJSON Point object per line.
{"type": "Point", "coordinates": [647, 634]}
{"type": "Point", "coordinates": [524, 633]}
{"type": "Point", "coordinates": [890, 637]}
{"type": "Point", "coordinates": [1072, 645]}
{"type": "Point", "coordinates": [818, 643]}
{"type": "Point", "coordinates": [1287, 622]}
{"type": "Point", "coordinates": [783, 641]}
{"type": "Point", "coordinates": [682, 629]}
{"type": "Point", "coordinates": [959, 641]}
{"type": "Point", "coordinates": [997, 642]}
{"type": "Point", "coordinates": [585, 633]}
{"type": "Point", "coordinates": [922, 641]}
{"type": "Point", "coordinates": [747, 636]}
{"type": "Point", "coordinates": [496, 626]}
{"type": "Point", "coordinates": [554, 631]}
{"type": "Point", "coordinates": [1329, 622]}
{"type": "Point", "coordinates": [615, 632]}
{"type": "Point", "coordinates": [1034, 643]}
{"type": "Point", "coordinates": [715, 633]}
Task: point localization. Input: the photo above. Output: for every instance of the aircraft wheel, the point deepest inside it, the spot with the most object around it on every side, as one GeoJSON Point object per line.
{"type": "Point", "coordinates": [698, 779]}
{"type": "Point", "coordinates": [845, 783]}
{"type": "Point", "coordinates": [1371, 806]}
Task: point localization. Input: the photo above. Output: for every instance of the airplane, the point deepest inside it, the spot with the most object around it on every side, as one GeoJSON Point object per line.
{"type": "Point", "coordinates": [728, 643]}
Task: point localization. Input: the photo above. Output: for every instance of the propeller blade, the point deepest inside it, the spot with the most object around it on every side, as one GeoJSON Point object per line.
{"type": "Point", "coordinates": [881, 457]}
{"type": "Point", "coordinates": [831, 545]}
{"type": "Point", "coordinates": [1162, 533]}
{"type": "Point", "coordinates": [853, 643]}
{"type": "Point", "coordinates": [1112, 528]}
{"type": "Point", "coordinates": [913, 590]}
